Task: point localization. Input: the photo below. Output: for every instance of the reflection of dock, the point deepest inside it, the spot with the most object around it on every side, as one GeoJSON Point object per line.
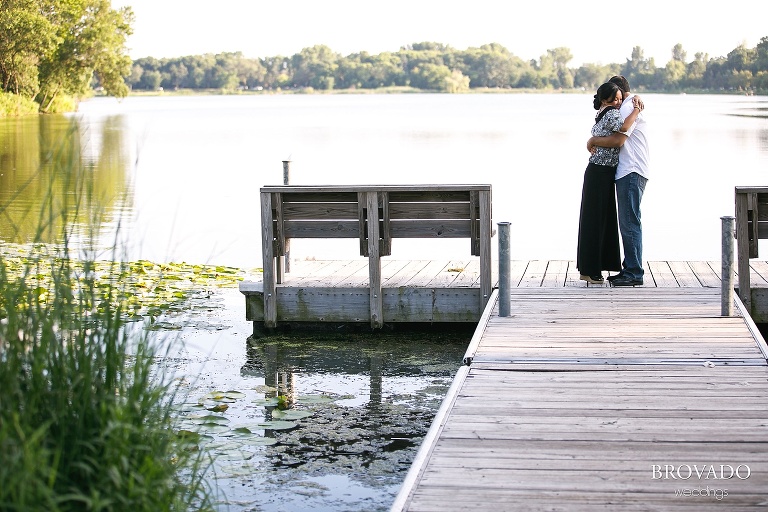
{"type": "Point", "coordinates": [603, 399]}
{"type": "Point", "coordinates": [447, 291]}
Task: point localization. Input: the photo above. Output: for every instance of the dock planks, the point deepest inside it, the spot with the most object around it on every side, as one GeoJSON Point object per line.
{"type": "Point", "coordinates": [525, 273]}
{"type": "Point", "coordinates": [582, 397]}
{"type": "Point", "coordinates": [449, 290]}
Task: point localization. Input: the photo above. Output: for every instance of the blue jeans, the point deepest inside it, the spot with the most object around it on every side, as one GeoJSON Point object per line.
{"type": "Point", "coordinates": [629, 193]}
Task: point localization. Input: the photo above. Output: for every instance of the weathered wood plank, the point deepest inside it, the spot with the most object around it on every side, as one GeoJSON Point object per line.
{"type": "Point", "coordinates": [447, 276]}
{"type": "Point", "coordinates": [707, 272]}
{"type": "Point", "coordinates": [661, 274]}
{"type": "Point", "coordinates": [528, 280]}
{"type": "Point", "coordinates": [534, 274]}
{"type": "Point", "coordinates": [406, 274]}
{"type": "Point", "coordinates": [556, 274]}
{"type": "Point", "coordinates": [684, 274]}
{"type": "Point", "coordinates": [540, 431]}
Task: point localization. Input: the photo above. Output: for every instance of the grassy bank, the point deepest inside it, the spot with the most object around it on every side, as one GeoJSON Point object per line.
{"type": "Point", "coordinates": [87, 418]}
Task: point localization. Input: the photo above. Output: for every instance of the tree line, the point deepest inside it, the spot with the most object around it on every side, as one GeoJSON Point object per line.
{"type": "Point", "coordinates": [53, 52]}
{"type": "Point", "coordinates": [438, 67]}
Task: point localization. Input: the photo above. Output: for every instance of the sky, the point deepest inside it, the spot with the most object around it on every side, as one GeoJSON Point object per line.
{"type": "Point", "coordinates": [595, 32]}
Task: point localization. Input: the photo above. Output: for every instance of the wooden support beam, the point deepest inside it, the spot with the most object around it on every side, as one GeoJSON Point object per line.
{"type": "Point", "coordinates": [486, 279]}
{"type": "Point", "coordinates": [386, 225]}
{"type": "Point", "coordinates": [374, 261]}
{"type": "Point", "coordinates": [280, 240]}
{"type": "Point", "coordinates": [742, 239]}
{"type": "Point", "coordinates": [268, 259]}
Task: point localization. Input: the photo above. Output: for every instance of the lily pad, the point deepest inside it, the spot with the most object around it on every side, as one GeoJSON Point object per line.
{"type": "Point", "coordinates": [224, 446]}
{"type": "Point", "coordinates": [272, 425]}
{"type": "Point", "coordinates": [203, 419]}
{"type": "Point", "coordinates": [213, 428]}
{"type": "Point", "coordinates": [290, 414]}
{"type": "Point", "coordinates": [226, 396]}
{"type": "Point", "coordinates": [238, 470]}
{"type": "Point", "coordinates": [266, 401]}
{"type": "Point", "coordinates": [235, 454]}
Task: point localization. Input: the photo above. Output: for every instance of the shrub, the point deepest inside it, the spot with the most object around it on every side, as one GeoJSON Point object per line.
{"type": "Point", "coordinates": [86, 413]}
{"type": "Point", "coordinates": [13, 105]}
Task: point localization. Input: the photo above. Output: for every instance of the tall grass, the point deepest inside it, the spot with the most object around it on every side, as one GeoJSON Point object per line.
{"type": "Point", "coordinates": [86, 412]}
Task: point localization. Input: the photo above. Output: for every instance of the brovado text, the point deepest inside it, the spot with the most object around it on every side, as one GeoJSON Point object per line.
{"type": "Point", "coordinates": [700, 471]}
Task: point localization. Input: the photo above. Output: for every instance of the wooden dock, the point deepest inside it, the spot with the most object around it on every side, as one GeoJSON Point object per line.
{"type": "Point", "coordinates": [603, 399]}
{"type": "Point", "coordinates": [450, 291]}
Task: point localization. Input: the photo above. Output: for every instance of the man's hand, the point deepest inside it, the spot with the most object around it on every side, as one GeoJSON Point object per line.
{"type": "Point", "coordinates": [591, 146]}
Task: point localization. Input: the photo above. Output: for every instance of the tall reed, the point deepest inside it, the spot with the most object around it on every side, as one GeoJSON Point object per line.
{"type": "Point", "coordinates": [86, 412]}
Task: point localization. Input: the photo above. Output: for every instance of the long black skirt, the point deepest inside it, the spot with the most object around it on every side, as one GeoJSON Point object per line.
{"type": "Point", "coordinates": [598, 247]}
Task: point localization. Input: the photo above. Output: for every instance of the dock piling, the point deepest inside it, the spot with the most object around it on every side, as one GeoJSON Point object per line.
{"type": "Point", "coordinates": [504, 270]}
{"type": "Point", "coordinates": [287, 181]}
{"type": "Point", "coordinates": [727, 266]}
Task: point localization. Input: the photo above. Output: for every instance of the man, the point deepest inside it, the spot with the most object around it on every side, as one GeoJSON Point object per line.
{"type": "Point", "coordinates": [631, 178]}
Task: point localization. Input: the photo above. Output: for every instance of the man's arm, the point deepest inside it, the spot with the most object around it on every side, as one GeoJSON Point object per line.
{"type": "Point", "coordinates": [614, 140]}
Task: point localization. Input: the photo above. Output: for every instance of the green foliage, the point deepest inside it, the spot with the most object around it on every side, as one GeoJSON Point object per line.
{"type": "Point", "coordinates": [438, 67]}
{"type": "Point", "coordinates": [13, 105]}
{"type": "Point", "coordinates": [56, 47]}
{"type": "Point", "coordinates": [147, 289]}
{"type": "Point", "coordinates": [87, 416]}
{"type": "Point", "coordinates": [61, 103]}
{"type": "Point", "coordinates": [27, 37]}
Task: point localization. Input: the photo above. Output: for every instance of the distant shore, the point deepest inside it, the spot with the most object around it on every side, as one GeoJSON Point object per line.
{"type": "Point", "coordinates": [396, 90]}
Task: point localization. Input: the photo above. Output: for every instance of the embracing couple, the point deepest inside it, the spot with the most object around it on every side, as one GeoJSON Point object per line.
{"type": "Point", "coordinates": [617, 173]}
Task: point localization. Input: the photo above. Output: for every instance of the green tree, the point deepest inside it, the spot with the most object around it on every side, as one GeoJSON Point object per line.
{"type": "Point", "coordinates": [314, 67]}
{"type": "Point", "coordinates": [91, 41]}
{"type": "Point", "coordinates": [553, 68]}
{"type": "Point", "coordinates": [590, 76]}
{"type": "Point", "coordinates": [674, 72]}
{"type": "Point", "coordinates": [741, 58]}
{"type": "Point", "coordinates": [492, 65]}
{"type": "Point", "coordinates": [695, 70]}
{"type": "Point", "coordinates": [26, 38]}
{"type": "Point", "coordinates": [761, 56]}
{"type": "Point", "coordinates": [678, 54]}
{"type": "Point", "coordinates": [639, 70]}
{"type": "Point", "coordinates": [457, 82]}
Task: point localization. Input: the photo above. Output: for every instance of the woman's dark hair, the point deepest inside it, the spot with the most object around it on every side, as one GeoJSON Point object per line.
{"type": "Point", "coordinates": [605, 92]}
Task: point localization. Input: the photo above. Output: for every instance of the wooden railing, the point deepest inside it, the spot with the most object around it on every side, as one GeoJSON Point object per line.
{"type": "Point", "coordinates": [374, 214]}
{"type": "Point", "coordinates": [751, 225]}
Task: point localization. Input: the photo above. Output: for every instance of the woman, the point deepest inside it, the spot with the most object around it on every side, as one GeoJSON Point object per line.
{"type": "Point", "coordinates": [598, 245]}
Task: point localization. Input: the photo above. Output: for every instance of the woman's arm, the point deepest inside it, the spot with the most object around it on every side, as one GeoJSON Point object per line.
{"type": "Point", "coordinates": [618, 138]}
{"type": "Point", "coordinates": [631, 118]}
{"type": "Point", "coordinates": [615, 140]}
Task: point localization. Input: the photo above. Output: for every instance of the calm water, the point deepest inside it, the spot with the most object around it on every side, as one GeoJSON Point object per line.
{"type": "Point", "coordinates": [177, 179]}
{"type": "Point", "coordinates": [181, 174]}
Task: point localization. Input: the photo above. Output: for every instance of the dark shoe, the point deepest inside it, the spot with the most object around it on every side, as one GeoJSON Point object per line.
{"type": "Point", "coordinates": [592, 279]}
{"type": "Point", "coordinates": [615, 276]}
{"type": "Point", "coordinates": [627, 281]}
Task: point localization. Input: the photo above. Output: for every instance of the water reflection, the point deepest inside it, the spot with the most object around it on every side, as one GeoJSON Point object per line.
{"type": "Point", "coordinates": [57, 174]}
{"type": "Point", "coordinates": [371, 399]}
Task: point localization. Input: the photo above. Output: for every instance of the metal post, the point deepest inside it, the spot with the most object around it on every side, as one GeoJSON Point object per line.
{"type": "Point", "coordinates": [287, 181]}
{"type": "Point", "coordinates": [286, 172]}
{"type": "Point", "coordinates": [726, 290]}
{"type": "Point", "coordinates": [504, 270]}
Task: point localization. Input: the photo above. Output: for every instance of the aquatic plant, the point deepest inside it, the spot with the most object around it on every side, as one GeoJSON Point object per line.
{"type": "Point", "coordinates": [86, 412]}
{"type": "Point", "coordinates": [147, 290]}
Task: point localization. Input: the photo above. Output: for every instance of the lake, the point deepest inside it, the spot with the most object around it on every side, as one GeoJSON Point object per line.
{"type": "Point", "coordinates": [181, 174]}
{"type": "Point", "coordinates": [176, 178]}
